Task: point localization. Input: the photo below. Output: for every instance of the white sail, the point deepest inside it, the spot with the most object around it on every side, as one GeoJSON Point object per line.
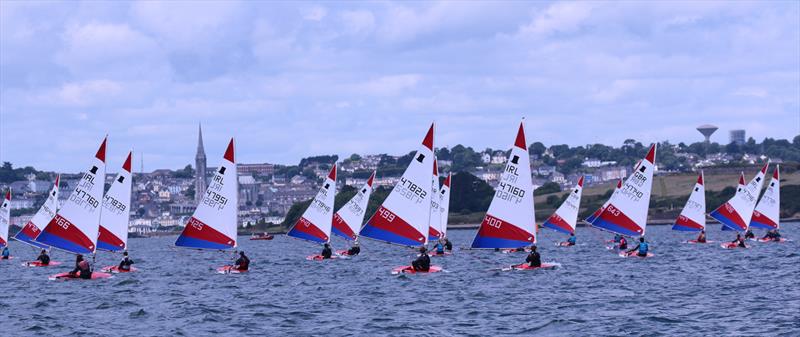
{"type": "Point", "coordinates": [736, 213]}
{"type": "Point", "coordinates": [444, 204]}
{"type": "Point", "coordinates": [5, 219]}
{"type": "Point", "coordinates": [767, 212]}
{"type": "Point", "coordinates": [693, 215]}
{"type": "Point", "coordinates": [404, 215]}
{"type": "Point", "coordinates": [566, 216]}
{"type": "Point", "coordinates": [510, 222]}
{"type": "Point", "coordinates": [36, 224]}
{"type": "Point", "coordinates": [214, 222]}
{"type": "Point", "coordinates": [626, 212]}
{"type": "Point", "coordinates": [76, 225]}
{"type": "Point", "coordinates": [315, 223]}
{"type": "Point", "coordinates": [116, 211]}
{"type": "Point", "coordinates": [347, 221]}
{"type": "Point", "coordinates": [435, 225]}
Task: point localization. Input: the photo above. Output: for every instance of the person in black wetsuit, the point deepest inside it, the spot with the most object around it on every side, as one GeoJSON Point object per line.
{"type": "Point", "coordinates": [354, 249]}
{"type": "Point", "coordinates": [739, 241]}
{"type": "Point", "coordinates": [242, 263]}
{"type": "Point", "coordinates": [749, 234]}
{"type": "Point", "coordinates": [126, 262]}
{"type": "Point", "coordinates": [326, 251]}
{"type": "Point", "coordinates": [534, 259]}
{"type": "Point", "coordinates": [43, 258]}
{"type": "Point", "coordinates": [702, 237]}
{"type": "Point", "coordinates": [423, 262]}
{"type": "Point", "coordinates": [6, 253]}
{"type": "Point", "coordinates": [82, 268]}
{"type": "Point", "coordinates": [448, 245]}
{"type": "Point", "coordinates": [623, 243]}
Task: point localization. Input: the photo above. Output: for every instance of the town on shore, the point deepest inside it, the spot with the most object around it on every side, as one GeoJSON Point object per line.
{"type": "Point", "coordinates": [272, 196]}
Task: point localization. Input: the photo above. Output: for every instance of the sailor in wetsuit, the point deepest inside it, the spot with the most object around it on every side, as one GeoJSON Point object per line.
{"type": "Point", "coordinates": [43, 258]}
{"type": "Point", "coordinates": [534, 259]}
{"type": "Point", "coordinates": [623, 243]}
{"type": "Point", "coordinates": [702, 237]}
{"type": "Point", "coordinates": [354, 249]}
{"type": "Point", "coordinates": [739, 241]}
{"type": "Point", "coordinates": [617, 237]}
{"type": "Point", "coordinates": [439, 248]}
{"type": "Point", "coordinates": [326, 251]}
{"type": "Point", "coordinates": [423, 262]}
{"type": "Point", "coordinates": [82, 268]}
{"type": "Point", "coordinates": [447, 244]}
{"type": "Point", "coordinates": [242, 263]}
{"type": "Point", "coordinates": [749, 234]}
{"type": "Point", "coordinates": [126, 262]}
{"type": "Point", "coordinates": [571, 240]}
{"type": "Point", "coordinates": [642, 248]}
{"type": "Point", "coordinates": [6, 253]}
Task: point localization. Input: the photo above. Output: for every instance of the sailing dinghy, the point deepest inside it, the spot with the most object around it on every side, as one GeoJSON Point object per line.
{"type": "Point", "coordinates": [5, 220]}
{"type": "Point", "coordinates": [116, 215]}
{"type": "Point", "coordinates": [693, 215]}
{"type": "Point", "coordinates": [736, 213]}
{"type": "Point", "coordinates": [347, 221]}
{"type": "Point", "coordinates": [315, 223]}
{"type": "Point", "coordinates": [626, 212]}
{"type": "Point", "coordinates": [566, 216]}
{"type": "Point", "coordinates": [76, 225]}
{"type": "Point", "coordinates": [214, 221]}
{"type": "Point", "coordinates": [31, 230]}
{"type": "Point", "coordinates": [767, 212]}
{"type": "Point", "coordinates": [444, 208]}
{"type": "Point", "coordinates": [404, 217]}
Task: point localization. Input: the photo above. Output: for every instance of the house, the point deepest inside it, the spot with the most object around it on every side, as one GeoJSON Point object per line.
{"type": "Point", "coordinates": [499, 157]}
{"type": "Point", "coordinates": [486, 158]}
{"type": "Point", "coordinates": [545, 170]}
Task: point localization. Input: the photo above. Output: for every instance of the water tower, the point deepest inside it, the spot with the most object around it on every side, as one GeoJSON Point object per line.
{"type": "Point", "coordinates": [707, 130]}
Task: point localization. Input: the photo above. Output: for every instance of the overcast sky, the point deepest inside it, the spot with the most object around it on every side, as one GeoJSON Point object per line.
{"type": "Point", "coordinates": [293, 80]}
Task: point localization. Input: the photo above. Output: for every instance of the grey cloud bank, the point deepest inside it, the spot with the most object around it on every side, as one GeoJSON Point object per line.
{"type": "Point", "coordinates": [292, 80]}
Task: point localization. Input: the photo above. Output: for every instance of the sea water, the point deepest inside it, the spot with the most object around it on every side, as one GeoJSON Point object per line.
{"type": "Point", "coordinates": [686, 289]}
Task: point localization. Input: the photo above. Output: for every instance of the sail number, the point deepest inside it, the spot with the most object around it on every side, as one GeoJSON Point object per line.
{"type": "Point", "coordinates": [386, 214]}
{"type": "Point", "coordinates": [613, 210]}
{"type": "Point", "coordinates": [496, 223]}
{"type": "Point", "coordinates": [63, 223]}
{"type": "Point", "coordinates": [411, 190]}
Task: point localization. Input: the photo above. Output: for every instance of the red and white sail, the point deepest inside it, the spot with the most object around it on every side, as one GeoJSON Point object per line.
{"type": "Point", "coordinates": [435, 228]}
{"type": "Point", "coordinates": [315, 223]}
{"type": "Point", "coordinates": [36, 224]}
{"type": "Point", "coordinates": [76, 225]}
{"type": "Point", "coordinates": [693, 215]}
{"type": "Point", "coordinates": [626, 213]}
{"type": "Point", "coordinates": [444, 205]}
{"type": "Point", "coordinates": [737, 212]}
{"type": "Point", "coordinates": [566, 216]}
{"type": "Point", "coordinates": [213, 224]}
{"type": "Point", "coordinates": [767, 212]}
{"type": "Point", "coordinates": [404, 216]}
{"type": "Point", "coordinates": [5, 219]}
{"type": "Point", "coordinates": [116, 211]}
{"type": "Point", "coordinates": [510, 222]}
{"type": "Point", "coordinates": [347, 221]}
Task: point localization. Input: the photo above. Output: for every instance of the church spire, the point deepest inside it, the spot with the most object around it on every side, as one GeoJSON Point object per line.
{"type": "Point", "coordinates": [200, 183]}
{"type": "Point", "coordinates": [200, 150]}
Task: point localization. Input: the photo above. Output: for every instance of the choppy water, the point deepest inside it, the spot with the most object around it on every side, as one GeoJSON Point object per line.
{"type": "Point", "coordinates": [685, 290]}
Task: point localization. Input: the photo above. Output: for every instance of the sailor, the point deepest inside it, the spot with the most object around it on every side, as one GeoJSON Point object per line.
{"type": "Point", "coordinates": [326, 251]}
{"type": "Point", "coordinates": [623, 243]}
{"type": "Point", "coordinates": [739, 241]}
{"type": "Point", "coordinates": [534, 259]}
{"type": "Point", "coordinates": [423, 262]}
{"type": "Point", "coordinates": [617, 238]}
{"type": "Point", "coordinates": [43, 258]}
{"type": "Point", "coordinates": [702, 237]}
{"type": "Point", "coordinates": [125, 264]}
{"type": "Point", "coordinates": [6, 253]}
{"type": "Point", "coordinates": [447, 244]}
{"type": "Point", "coordinates": [439, 246]}
{"type": "Point", "coordinates": [82, 268]}
{"type": "Point", "coordinates": [571, 240]}
{"type": "Point", "coordinates": [749, 234]}
{"type": "Point", "coordinates": [641, 248]}
{"type": "Point", "coordinates": [242, 263]}
{"type": "Point", "coordinates": [354, 249]}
